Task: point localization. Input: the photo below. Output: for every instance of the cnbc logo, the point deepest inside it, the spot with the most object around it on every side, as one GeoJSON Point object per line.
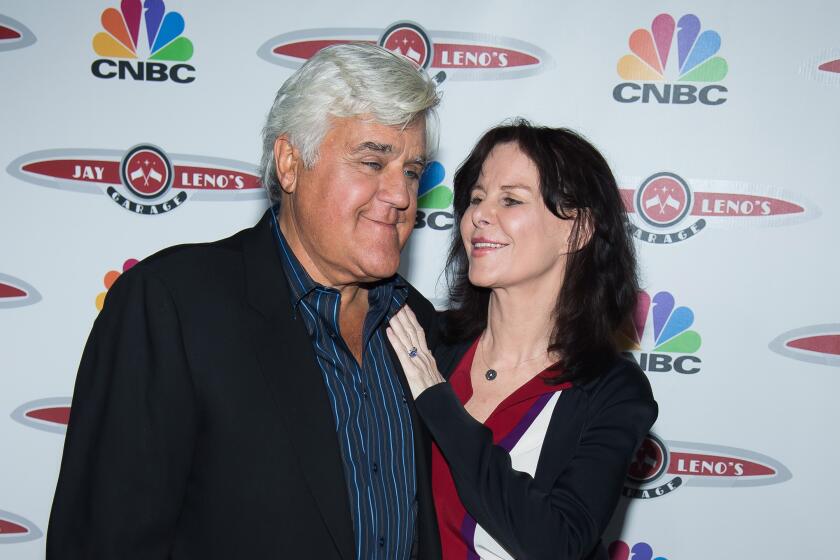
{"type": "Point", "coordinates": [434, 200]}
{"type": "Point", "coordinates": [670, 62]}
{"type": "Point", "coordinates": [152, 52]}
{"type": "Point", "coordinates": [661, 341]}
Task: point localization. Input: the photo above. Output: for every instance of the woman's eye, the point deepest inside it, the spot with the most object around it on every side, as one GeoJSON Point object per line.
{"type": "Point", "coordinates": [413, 175]}
{"type": "Point", "coordinates": [508, 201]}
{"type": "Point", "coordinates": [475, 200]}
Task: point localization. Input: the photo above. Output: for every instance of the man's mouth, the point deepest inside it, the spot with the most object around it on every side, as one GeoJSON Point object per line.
{"type": "Point", "coordinates": [385, 222]}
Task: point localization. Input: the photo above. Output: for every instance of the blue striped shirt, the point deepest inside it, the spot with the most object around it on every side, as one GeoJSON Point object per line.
{"type": "Point", "coordinates": [372, 419]}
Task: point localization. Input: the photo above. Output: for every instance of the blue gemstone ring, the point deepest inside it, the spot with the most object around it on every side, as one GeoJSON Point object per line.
{"type": "Point", "coordinates": [412, 353]}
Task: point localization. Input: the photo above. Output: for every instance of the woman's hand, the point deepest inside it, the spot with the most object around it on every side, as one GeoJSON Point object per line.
{"type": "Point", "coordinates": [409, 342]}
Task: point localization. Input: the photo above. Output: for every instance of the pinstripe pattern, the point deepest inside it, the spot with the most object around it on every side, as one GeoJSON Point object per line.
{"type": "Point", "coordinates": [371, 416]}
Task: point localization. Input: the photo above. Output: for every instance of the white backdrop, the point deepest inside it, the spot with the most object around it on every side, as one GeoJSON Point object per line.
{"type": "Point", "coordinates": [741, 338]}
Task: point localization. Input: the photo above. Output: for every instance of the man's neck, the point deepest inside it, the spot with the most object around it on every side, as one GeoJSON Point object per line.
{"type": "Point", "coordinates": [349, 290]}
{"type": "Point", "coordinates": [354, 296]}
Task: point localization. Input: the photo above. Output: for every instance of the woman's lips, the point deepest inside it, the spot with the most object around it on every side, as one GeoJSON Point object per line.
{"type": "Point", "coordinates": [482, 246]}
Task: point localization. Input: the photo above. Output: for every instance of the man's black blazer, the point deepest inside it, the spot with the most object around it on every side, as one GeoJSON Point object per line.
{"type": "Point", "coordinates": [200, 425]}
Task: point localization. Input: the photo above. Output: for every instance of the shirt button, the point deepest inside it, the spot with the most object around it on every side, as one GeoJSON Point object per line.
{"type": "Point", "coordinates": [405, 400]}
{"type": "Point", "coordinates": [381, 541]}
{"type": "Point", "coordinates": [375, 467]}
{"type": "Point", "coordinates": [364, 393]}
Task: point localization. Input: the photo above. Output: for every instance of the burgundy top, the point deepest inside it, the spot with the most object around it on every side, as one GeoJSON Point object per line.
{"type": "Point", "coordinates": [507, 422]}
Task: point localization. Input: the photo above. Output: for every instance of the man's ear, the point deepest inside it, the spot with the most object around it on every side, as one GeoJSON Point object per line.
{"type": "Point", "coordinates": [286, 163]}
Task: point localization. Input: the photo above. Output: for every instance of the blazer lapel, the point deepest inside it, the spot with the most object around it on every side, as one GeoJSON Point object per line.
{"type": "Point", "coordinates": [288, 364]}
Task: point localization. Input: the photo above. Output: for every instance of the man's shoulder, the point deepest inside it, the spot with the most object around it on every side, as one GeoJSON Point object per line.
{"type": "Point", "coordinates": [420, 305]}
{"type": "Point", "coordinates": [194, 263]}
{"type": "Point", "coordinates": [425, 313]}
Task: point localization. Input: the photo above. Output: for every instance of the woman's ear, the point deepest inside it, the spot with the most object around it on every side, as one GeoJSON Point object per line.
{"type": "Point", "coordinates": [286, 163]}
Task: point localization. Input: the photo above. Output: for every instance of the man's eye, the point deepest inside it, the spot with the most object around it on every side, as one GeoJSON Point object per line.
{"type": "Point", "coordinates": [373, 164]}
{"type": "Point", "coordinates": [413, 175]}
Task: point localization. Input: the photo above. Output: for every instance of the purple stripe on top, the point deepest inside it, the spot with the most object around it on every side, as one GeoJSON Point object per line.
{"type": "Point", "coordinates": [469, 524]}
{"type": "Point", "coordinates": [468, 534]}
{"type": "Point", "coordinates": [522, 426]}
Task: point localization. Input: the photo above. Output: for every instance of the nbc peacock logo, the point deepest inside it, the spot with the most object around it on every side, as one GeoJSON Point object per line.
{"type": "Point", "coordinates": [146, 41]}
{"type": "Point", "coordinates": [109, 279]}
{"type": "Point", "coordinates": [672, 60]}
{"type": "Point", "coordinates": [620, 550]}
{"type": "Point", "coordinates": [661, 340]}
{"type": "Point", "coordinates": [434, 199]}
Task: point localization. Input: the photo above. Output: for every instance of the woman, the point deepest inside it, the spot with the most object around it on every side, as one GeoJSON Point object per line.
{"type": "Point", "coordinates": [541, 416]}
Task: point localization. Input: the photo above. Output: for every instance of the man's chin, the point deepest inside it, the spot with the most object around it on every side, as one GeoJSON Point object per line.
{"type": "Point", "coordinates": [380, 269]}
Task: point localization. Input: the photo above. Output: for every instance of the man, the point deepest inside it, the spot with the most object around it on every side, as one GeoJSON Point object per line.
{"type": "Point", "coordinates": [238, 399]}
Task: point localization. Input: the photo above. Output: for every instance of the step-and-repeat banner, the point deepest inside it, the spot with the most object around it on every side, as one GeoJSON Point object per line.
{"type": "Point", "coordinates": [131, 126]}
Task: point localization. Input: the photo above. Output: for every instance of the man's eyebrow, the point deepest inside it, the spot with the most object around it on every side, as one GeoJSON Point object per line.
{"type": "Point", "coordinates": [387, 149]}
{"type": "Point", "coordinates": [373, 147]}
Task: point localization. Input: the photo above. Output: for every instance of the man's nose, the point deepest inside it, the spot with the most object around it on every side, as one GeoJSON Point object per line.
{"type": "Point", "coordinates": [396, 190]}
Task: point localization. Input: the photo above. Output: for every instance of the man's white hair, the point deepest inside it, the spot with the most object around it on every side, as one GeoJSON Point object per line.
{"type": "Point", "coordinates": [346, 80]}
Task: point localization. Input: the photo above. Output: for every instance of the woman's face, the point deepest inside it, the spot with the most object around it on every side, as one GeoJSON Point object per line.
{"type": "Point", "coordinates": [510, 236]}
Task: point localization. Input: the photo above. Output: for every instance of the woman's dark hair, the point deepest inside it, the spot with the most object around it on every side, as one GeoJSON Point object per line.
{"type": "Point", "coordinates": [600, 284]}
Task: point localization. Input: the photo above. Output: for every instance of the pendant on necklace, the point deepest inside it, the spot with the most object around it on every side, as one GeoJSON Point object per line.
{"type": "Point", "coordinates": [490, 375]}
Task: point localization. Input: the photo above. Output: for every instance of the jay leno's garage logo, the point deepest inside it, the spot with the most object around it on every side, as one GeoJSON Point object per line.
{"type": "Point", "coordinates": [16, 529]}
{"type": "Point", "coordinates": [14, 292]}
{"type": "Point", "coordinates": [666, 208]}
{"type": "Point", "coordinates": [660, 467]}
{"type": "Point", "coordinates": [825, 67]}
{"type": "Point", "coordinates": [143, 180]}
{"type": "Point", "coordinates": [444, 54]}
{"type": "Point", "coordinates": [817, 344]}
{"type": "Point", "coordinates": [50, 415]}
{"type": "Point", "coordinates": [14, 35]}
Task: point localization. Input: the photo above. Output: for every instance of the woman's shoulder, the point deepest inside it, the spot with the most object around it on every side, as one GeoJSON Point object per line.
{"type": "Point", "coordinates": [622, 379]}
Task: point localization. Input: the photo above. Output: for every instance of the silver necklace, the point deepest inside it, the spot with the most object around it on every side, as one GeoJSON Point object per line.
{"type": "Point", "coordinates": [491, 373]}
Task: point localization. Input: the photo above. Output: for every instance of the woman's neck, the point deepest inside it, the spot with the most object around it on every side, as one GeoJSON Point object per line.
{"type": "Point", "coordinates": [519, 324]}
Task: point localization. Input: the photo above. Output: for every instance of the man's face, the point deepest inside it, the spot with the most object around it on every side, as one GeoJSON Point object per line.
{"type": "Point", "coordinates": [353, 211]}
